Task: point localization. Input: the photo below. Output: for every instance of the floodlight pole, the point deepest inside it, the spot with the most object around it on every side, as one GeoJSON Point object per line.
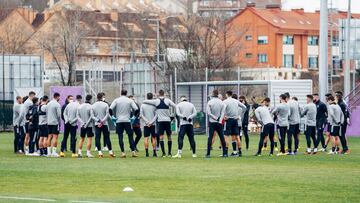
{"type": "Point", "coordinates": [3, 72]}
{"type": "Point", "coordinates": [347, 53]}
{"type": "Point", "coordinates": [323, 66]}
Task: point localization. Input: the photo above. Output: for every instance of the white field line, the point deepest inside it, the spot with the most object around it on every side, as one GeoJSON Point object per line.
{"type": "Point", "coordinates": [46, 200]}
{"type": "Point", "coordinates": [78, 201]}
{"type": "Point", "coordinates": [28, 198]}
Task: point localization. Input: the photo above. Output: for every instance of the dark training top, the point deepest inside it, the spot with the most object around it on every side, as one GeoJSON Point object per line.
{"type": "Point", "coordinates": [321, 114]}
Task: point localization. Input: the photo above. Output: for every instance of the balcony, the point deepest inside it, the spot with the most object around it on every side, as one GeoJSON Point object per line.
{"type": "Point", "coordinates": [219, 5]}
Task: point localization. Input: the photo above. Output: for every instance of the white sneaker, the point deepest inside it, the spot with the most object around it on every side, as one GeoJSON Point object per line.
{"type": "Point", "coordinates": [331, 153]}
{"type": "Point", "coordinates": [36, 154]}
{"type": "Point", "coordinates": [90, 156]}
{"type": "Point", "coordinates": [194, 156]}
{"type": "Point", "coordinates": [177, 156]}
{"type": "Point", "coordinates": [55, 155]}
{"type": "Point", "coordinates": [96, 149]}
{"type": "Point", "coordinates": [26, 153]}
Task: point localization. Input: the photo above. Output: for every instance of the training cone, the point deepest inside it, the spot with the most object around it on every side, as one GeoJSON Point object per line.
{"type": "Point", "coordinates": [128, 189]}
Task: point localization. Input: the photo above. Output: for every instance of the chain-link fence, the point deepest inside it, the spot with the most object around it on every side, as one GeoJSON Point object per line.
{"type": "Point", "coordinates": [16, 71]}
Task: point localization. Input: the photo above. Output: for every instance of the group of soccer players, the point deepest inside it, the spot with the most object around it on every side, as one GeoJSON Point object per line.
{"type": "Point", "coordinates": [37, 121]}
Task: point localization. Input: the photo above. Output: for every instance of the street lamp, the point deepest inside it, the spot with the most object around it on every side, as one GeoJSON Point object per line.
{"type": "Point", "coordinates": [3, 73]}
{"type": "Point", "coordinates": [157, 20]}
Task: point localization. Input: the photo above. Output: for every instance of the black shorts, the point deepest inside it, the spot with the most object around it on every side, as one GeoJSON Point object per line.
{"type": "Point", "coordinates": [334, 130]}
{"type": "Point", "coordinates": [149, 131]}
{"type": "Point", "coordinates": [231, 127]}
{"type": "Point", "coordinates": [165, 126]}
{"type": "Point", "coordinates": [43, 130]}
{"type": "Point", "coordinates": [86, 132]}
{"type": "Point", "coordinates": [27, 127]}
{"type": "Point", "coordinates": [53, 129]}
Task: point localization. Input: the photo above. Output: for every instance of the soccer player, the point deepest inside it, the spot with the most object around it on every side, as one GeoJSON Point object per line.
{"type": "Point", "coordinates": [122, 108]}
{"type": "Point", "coordinates": [135, 124]}
{"type": "Point", "coordinates": [105, 148]}
{"type": "Point", "coordinates": [245, 121]}
{"type": "Point", "coordinates": [215, 109]}
{"type": "Point", "coordinates": [282, 112]}
{"type": "Point", "coordinates": [19, 124]}
{"type": "Point", "coordinates": [321, 119]}
{"type": "Point", "coordinates": [344, 109]}
{"type": "Point", "coordinates": [43, 126]}
{"type": "Point", "coordinates": [28, 102]}
{"type": "Point", "coordinates": [264, 117]}
{"type": "Point", "coordinates": [336, 119]}
{"type": "Point", "coordinates": [85, 117]}
{"type": "Point", "coordinates": [294, 124]}
{"type": "Point", "coordinates": [186, 112]}
{"type": "Point", "coordinates": [53, 121]}
{"type": "Point", "coordinates": [33, 118]}
{"type": "Point", "coordinates": [327, 128]}
{"type": "Point", "coordinates": [70, 116]}
{"type": "Point", "coordinates": [233, 108]}
{"type": "Point", "coordinates": [101, 114]}
{"type": "Point", "coordinates": [309, 111]}
{"type": "Point", "coordinates": [163, 105]}
{"type": "Point", "coordinates": [67, 125]}
{"type": "Point", "coordinates": [148, 115]}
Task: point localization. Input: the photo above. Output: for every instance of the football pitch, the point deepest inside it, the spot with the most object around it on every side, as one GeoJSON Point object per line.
{"type": "Point", "coordinates": [301, 178]}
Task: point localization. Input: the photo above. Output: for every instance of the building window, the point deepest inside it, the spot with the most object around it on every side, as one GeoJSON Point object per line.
{"type": "Point", "coordinates": [248, 55]}
{"type": "Point", "coordinates": [248, 37]}
{"type": "Point", "coordinates": [262, 39]}
{"type": "Point", "coordinates": [288, 39]}
{"type": "Point", "coordinates": [313, 61]}
{"type": "Point", "coordinates": [262, 58]}
{"type": "Point", "coordinates": [313, 40]}
{"type": "Point", "coordinates": [288, 60]}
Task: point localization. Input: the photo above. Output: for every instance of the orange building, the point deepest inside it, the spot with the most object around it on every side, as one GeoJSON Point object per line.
{"type": "Point", "coordinates": [278, 38]}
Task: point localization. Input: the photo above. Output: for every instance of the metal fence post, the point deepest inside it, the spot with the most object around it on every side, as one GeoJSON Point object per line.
{"type": "Point", "coordinates": [206, 98]}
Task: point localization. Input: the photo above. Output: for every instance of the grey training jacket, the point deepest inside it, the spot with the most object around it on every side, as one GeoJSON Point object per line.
{"type": "Point", "coordinates": [282, 111]}
{"type": "Point", "coordinates": [53, 112]}
{"type": "Point", "coordinates": [85, 115]}
{"type": "Point", "coordinates": [309, 111]}
{"type": "Point", "coordinates": [122, 108]}
{"type": "Point", "coordinates": [186, 110]}
{"type": "Point", "coordinates": [215, 109]}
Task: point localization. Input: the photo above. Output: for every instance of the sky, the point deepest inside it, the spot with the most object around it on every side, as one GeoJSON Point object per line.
{"type": "Point", "coordinates": [312, 5]}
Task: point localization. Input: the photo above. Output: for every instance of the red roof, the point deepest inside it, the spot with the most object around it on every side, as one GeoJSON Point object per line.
{"type": "Point", "coordinates": [295, 19]}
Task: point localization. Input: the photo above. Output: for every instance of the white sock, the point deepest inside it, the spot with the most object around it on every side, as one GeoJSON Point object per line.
{"type": "Point", "coordinates": [88, 152]}
{"type": "Point", "coordinates": [111, 152]}
{"type": "Point", "coordinates": [26, 148]}
{"type": "Point", "coordinates": [54, 150]}
{"type": "Point", "coordinates": [308, 149]}
{"type": "Point", "coordinates": [315, 149]}
{"type": "Point", "coordinates": [49, 150]}
{"type": "Point", "coordinates": [179, 151]}
{"type": "Point", "coordinates": [79, 151]}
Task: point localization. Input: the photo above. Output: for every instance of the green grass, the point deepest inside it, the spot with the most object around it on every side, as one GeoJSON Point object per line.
{"type": "Point", "coordinates": [318, 178]}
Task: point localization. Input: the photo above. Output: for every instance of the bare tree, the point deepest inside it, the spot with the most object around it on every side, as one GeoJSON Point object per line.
{"type": "Point", "coordinates": [12, 38]}
{"type": "Point", "coordinates": [208, 42]}
{"type": "Point", "coordinates": [65, 40]}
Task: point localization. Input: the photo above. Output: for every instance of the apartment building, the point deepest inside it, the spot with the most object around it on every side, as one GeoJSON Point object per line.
{"type": "Point", "coordinates": [278, 38]}
{"type": "Point", "coordinates": [228, 8]}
